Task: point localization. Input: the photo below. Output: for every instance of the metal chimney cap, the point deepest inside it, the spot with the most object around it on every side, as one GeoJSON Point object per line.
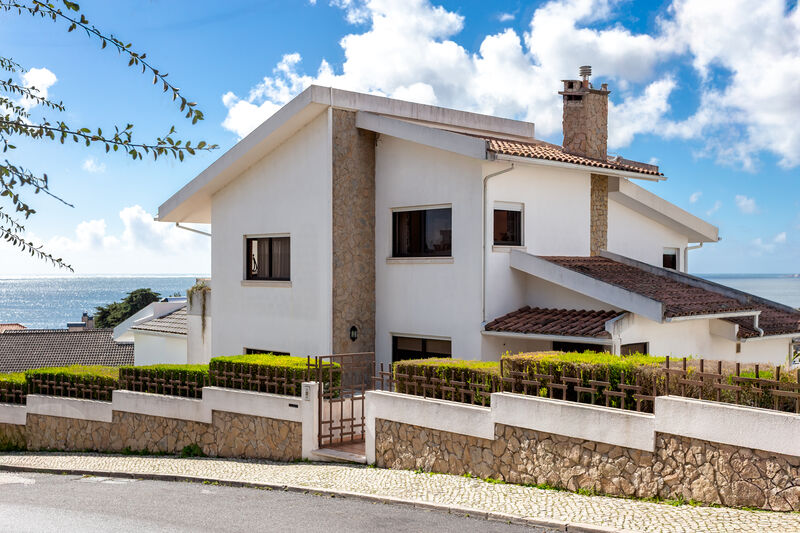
{"type": "Point", "coordinates": [585, 72]}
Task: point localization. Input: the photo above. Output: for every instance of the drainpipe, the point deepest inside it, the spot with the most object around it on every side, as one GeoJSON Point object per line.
{"type": "Point", "coordinates": [178, 225]}
{"type": "Point", "coordinates": [686, 255]}
{"type": "Point", "coordinates": [483, 281]}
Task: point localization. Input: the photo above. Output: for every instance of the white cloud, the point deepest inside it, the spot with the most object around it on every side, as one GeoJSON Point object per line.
{"type": "Point", "coordinates": [407, 48]}
{"type": "Point", "coordinates": [142, 246]}
{"type": "Point", "coordinates": [780, 238]}
{"type": "Point", "coordinates": [506, 17]}
{"type": "Point", "coordinates": [746, 204]}
{"type": "Point", "coordinates": [695, 196]}
{"type": "Point", "coordinates": [40, 79]}
{"type": "Point", "coordinates": [714, 209]}
{"type": "Point", "coordinates": [91, 165]}
{"type": "Point", "coordinates": [760, 246]}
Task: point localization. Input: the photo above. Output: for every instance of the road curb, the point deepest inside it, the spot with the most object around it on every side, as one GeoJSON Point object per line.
{"type": "Point", "coordinates": [558, 525]}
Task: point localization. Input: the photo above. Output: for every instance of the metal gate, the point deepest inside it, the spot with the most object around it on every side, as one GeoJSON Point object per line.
{"type": "Point", "coordinates": [343, 379]}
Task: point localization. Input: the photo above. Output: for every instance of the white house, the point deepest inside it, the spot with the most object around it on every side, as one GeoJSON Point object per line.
{"type": "Point", "coordinates": [351, 222]}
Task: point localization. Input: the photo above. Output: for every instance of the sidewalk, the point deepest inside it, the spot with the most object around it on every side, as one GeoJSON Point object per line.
{"type": "Point", "coordinates": [563, 510]}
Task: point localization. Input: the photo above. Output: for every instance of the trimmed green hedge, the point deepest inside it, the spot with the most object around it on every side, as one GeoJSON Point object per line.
{"type": "Point", "coordinates": [449, 379]}
{"type": "Point", "coordinates": [13, 388]}
{"type": "Point", "coordinates": [277, 374]}
{"type": "Point", "coordinates": [173, 380]}
{"type": "Point", "coordinates": [77, 381]}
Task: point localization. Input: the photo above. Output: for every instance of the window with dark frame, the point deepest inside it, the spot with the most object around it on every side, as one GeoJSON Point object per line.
{"type": "Point", "coordinates": [670, 258]}
{"type": "Point", "coordinates": [422, 233]}
{"type": "Point", "coordinates": [404, 348]}
{"type": "Point", "coordinates": [578, 347]}
{"type": "Point", "coordinates": [634, 348]}
{"type": "Point", "coordinates": [268, 259]}
{"type": "Point", "coordinates": [256, 350]}
{"type": "Point", "coordinates": [507, 227]}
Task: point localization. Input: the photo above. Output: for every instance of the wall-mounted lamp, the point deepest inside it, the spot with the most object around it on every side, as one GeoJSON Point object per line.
{"type": "Point", "coordinates": [353, 333]}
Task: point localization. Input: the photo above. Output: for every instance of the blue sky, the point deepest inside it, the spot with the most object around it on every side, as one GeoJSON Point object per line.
{"type": "Point", "coordinates": [708, 90]}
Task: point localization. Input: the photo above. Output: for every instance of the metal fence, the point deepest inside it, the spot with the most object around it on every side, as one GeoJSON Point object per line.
{"type": "Point", "coordinates": [177, 383]}
{"type": "Point", "coordinates": [763, 386]}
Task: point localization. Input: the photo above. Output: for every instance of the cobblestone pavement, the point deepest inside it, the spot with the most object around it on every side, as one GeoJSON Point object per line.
{"type": "Point", "coordinates": [447, 490]}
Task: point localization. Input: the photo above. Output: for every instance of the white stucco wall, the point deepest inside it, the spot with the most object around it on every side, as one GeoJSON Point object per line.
{"type": "Point", "coordinates": [152, 349]}
{"type": "Point", "coordinates": [636, 236]}
{"type": "Point", "coordinates": [286, 192]}
{"type": "Point", "coordinates": [416, 297]}
{"type": "Point", "coordinates": [198, 339]}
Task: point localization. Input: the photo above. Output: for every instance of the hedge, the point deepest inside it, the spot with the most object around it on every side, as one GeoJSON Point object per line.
{"type": "Point", "coordinates": [13, 388]}
{"type": "Point", "coordinates": [173, 380]}
{"type": "Point", "coordinates": [447, 379]}
{"type": "Point", "coordinates": [77, 381]}
{"type": "Point", "coordinates": [277, 374]}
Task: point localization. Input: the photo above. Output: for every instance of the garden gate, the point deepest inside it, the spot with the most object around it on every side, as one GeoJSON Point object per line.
{"type": "Point", "coordinates": [341, 396]}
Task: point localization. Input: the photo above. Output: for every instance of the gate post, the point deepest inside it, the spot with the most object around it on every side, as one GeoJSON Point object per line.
{"type": "Point", "coordinates": [310, 418]}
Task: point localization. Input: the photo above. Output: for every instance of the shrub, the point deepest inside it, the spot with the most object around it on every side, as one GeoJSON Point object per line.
{"type": "Point", "coordinates": [278, 374]}
{"type": "Point", "coordinates": [448, 379]}
{"type": "Point", "coordinates": [77, 381]}
{"type": "Point", "coordinates": [174, 380]}
{"type": "Point", "coordinates": [13, 388]}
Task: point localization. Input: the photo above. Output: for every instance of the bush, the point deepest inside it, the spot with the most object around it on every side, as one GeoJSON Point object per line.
{"type": "Point", "coordinates": [173, 380]}
{"type": "Point", "coordinates": [277, 374]}
{"type": "Point", "coordinates": [77, 381]}
{"type": "Point", "coordinates": [448, 379]}
{"type": "Point", "coordinates": [13, 388]}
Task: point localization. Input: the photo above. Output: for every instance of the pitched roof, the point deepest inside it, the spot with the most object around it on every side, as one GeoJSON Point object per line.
{"type": "Point", "coordinates": [683, 295]}
{"type": "Point", "coordinates": [174, 322]}
{"type": "Point", "coordinates": [553, 152]}
{"type": "Point", "coordinates": [36, 348]}
{"type": "Point", "coordinates": [11, 327]}
{"type": "Point", "coordinates": [561, 322]}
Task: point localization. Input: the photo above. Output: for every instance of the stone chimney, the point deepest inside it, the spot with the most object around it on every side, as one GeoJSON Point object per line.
{"type": "Point", "coordinates": [585, 118]}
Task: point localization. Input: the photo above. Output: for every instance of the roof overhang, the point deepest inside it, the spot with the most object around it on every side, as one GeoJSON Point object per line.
{"type": "Point", "coordinates": [574, 166]}
{"type": "Point", "coordinates": [154, 333]}
{"type": "Point", "coordinates": [656, 208]}
{"type": "Point", "coordinates": [558, 338]}
{"type": "Point", "coordinates": [586, 285]}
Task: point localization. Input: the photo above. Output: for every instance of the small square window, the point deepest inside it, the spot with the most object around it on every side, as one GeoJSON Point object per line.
{"type": "Point", "coordinates": [670, 258]}
{"type": "Point", "coordinates": [267, 259]}
{"type": "Point", "coordinates": [507, 227]}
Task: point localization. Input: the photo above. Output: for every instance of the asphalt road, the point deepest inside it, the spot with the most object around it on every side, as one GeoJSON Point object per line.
{"type": "Point", "coordinates": [47, 502]}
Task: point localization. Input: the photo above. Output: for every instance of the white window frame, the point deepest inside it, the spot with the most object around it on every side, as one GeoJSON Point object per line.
{"type": "Point", "coordinates": [509, 206]}
{"type": "Point", "coordinates": [667, 250]}
{"type": "Point", "coordinates": [444, 259]}
{"type": "Point", "coordinates": [245, 261]}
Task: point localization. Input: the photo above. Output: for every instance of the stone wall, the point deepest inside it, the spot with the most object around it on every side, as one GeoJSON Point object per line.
{"type": "Point", "coordinates": [12, 436]}
{"type": "Point", "coordinates": [585, 120]}
{"type": "Point", "coordinates": [680, 467]}
{"type": "Point", "coordinates": [353, 196]}
{"type": "Point", "coordinates": [229, 435]}
{"type": "Point", "coordinates": [598, 219]}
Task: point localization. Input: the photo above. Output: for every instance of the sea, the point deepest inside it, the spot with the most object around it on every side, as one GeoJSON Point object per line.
{"type": "Point", "coordinates": [51, 302]}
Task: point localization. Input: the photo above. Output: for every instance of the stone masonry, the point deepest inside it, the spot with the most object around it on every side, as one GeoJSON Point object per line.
{"type": "Point", "coordinates": [585, 119]}
{"type": "Point", "coordinates": [680, 468]}
{"type": "Point", "coordinates": [229, 435]}
{"type": "Point", "coordinates": [353, 298]}
{"type": "Point", "coordinates": [12, 436]}
{"type": "Point", "coordinates": [598, 219]}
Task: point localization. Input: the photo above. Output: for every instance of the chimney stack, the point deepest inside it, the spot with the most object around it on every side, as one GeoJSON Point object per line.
{"type": "Point", "coordinates": [585, 118]}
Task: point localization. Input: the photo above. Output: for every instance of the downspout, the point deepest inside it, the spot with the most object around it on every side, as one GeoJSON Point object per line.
{"type": "Point", "coordinates": [178, 225]}
{"type": "Point", "coordinates": [686, 255]}
{"type": "Point", "coordinates": [614, 328]}
{"type": "Point", "coordinates": [483, 281]}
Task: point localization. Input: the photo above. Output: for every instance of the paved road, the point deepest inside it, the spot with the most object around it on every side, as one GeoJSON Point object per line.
{"type": "Point", "coordinates": [47, 502]}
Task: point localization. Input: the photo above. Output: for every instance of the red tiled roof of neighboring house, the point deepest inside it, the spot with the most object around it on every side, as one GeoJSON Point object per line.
{"type": "Point", "coordinates": [553, 152]}
{"type": "Point", "coordinates": [36, 348]}
{"type": "Point", "coordinates": [681, 298]}
{"type": "Point", "coordinates": [175, 322]}
{"type": "Point", "coordinates": [562, 322]}
{"type": "Point", "coordinates": [11, 327]}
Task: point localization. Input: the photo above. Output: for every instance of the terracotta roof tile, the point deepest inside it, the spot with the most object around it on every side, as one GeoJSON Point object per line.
{"type": "Point", "coordinates": [11, 327]}
{"type": "Point", "coordinates": [563, 322]}
{"type": "Point", "coordinates": [175, 322]}
{"type": "Point", "coordinates": [553, 152]}
{"type": "Point", "coordinates": [36, 348]}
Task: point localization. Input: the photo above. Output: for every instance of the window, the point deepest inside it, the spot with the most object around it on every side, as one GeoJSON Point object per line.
{"type": "Point", "coordinates": [257, 350]}
{"type": "Point", "coordinates": [634, 348]}
{"type": "Point", "coordinates": [559, 346]}
{"type": "Point", "coordinates": [422, 233]}
{"type": "Point", "coordinates": [415, 348]}
{"type": "Point", "coordinates": [507, 227]}
{"type": "Point", "coordinates": [670, 258]}
{"type": "Point", "coordinates": [267, 259]}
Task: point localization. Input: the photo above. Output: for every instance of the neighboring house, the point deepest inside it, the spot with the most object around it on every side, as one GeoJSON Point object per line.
{"type": "Point", "coordinates": [37, 348]}
{"type": "Point", "coordinates": [11, 327]}
{"type": "Point", "coordinates": [350, 222]}
{"type": "Point", "coordinates": [86, 322]}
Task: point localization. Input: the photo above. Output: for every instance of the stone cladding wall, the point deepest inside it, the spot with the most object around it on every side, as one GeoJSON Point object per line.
{"type": "Point", "coordinates": [598, 218]}
{"type": "Point", "coordinates": [353, 298]}
{"type": "Point", "coordinates": [229, 435]}
{"type": "Point", "coordinates": [585, 123]}
{"type": "Point", "coordinates": [12, 436]}
{"type": "Point", "coordinates": [680, 468]}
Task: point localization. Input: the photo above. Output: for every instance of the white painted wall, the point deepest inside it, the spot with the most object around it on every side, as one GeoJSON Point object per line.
{"type": "Point", "coordinates": [288, 191]}
{"type": "Point", "coordinates": [425, 298]}
{"type": "Point", "coordinates": [150, 348]}
{"type": "Point", "coordinates": [636, 236]}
